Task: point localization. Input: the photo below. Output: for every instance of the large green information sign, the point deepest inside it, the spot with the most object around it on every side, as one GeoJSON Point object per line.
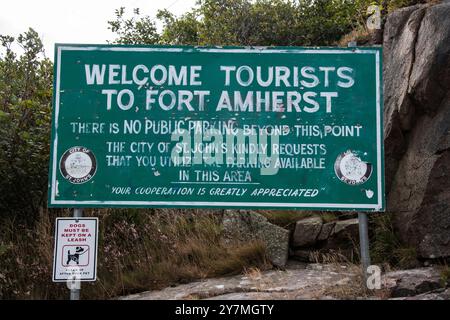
{"type": "Point", "coordinates": [152, 126]}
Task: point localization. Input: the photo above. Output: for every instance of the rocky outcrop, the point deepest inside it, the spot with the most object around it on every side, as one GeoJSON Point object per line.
{"type": "Point", "coordinates": [307, 281]}
{"type": "Point", "coordinates": [345, 235]}
{"type": "Point", "coordinates": [297, 282]}
{"type": "Point", "coordinates": [313, 238]}
{"type": "Point", "coordinates": [407, 283]}
{"type": "Point", "coordinates": [440, 294]}
{"type": "Point", "coordinates": [417, 126]}
{"type": "Point", "coordinates": [306, 231]}
{"type": "Point", "coordinates": [244, 225]}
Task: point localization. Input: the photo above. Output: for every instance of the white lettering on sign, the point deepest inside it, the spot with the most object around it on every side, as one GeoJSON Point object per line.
{"type": "Point", "coordinates": [155, 78]}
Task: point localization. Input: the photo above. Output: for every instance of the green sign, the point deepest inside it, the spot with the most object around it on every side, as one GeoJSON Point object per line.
{"type": "Point", "coordinates": [153, 126]}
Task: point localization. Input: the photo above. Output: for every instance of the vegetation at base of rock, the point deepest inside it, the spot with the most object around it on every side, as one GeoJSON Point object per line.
{"type": "Point", "coordinates": [445, 276]}
{"type": "Point", "coordinates": [361, 35]}
{"type": "Point", "coordinates": [138, 251]}
{"type": "Point", "coordinates": [330, 257]}
{"type": "Point", "coordinates": [386, 247]}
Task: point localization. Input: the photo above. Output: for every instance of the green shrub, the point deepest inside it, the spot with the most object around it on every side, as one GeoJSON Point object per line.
{"type": "Point", "coordinates": [25, 104]}
{"type": "Point", "coordinates": [245, 22]}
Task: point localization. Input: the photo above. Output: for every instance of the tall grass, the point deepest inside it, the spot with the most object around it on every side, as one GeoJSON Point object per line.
{"type": "Point", "coordinates": [387, 248]}
{"type": "Point", "coordinates": [138, 250]}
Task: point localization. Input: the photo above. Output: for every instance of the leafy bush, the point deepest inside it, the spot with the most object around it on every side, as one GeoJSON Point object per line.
{"type": "Point", "coordinates": [245, 22]}
{"type": "Point", "coordinates": [253, 23]}
{"type": "Point", "coordinates": [25, 104]}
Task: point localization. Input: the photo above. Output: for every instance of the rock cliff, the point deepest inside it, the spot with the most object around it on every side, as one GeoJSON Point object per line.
{"type": "Point", "coordinates": [417, 125]}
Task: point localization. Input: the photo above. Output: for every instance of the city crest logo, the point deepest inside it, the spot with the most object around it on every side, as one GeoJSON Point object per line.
{"type": "Point", "coordinates": [351, 170]}
{"type": "Point", "coordinates": [78, 165]}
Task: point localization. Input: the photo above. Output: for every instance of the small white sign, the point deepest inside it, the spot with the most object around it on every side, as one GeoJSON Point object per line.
{"type": "Point", "coordinates": [75, 255]}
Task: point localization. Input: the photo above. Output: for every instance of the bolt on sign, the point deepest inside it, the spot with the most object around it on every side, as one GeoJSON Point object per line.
{"type": "Point", "coordinates": [153, 126]}
{"type": "Point", "coordinates": [75, 254]}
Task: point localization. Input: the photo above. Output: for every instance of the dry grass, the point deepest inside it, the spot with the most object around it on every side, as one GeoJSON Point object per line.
{"type": "Point", "coordinates": [253, 273]}
{"type": "Point", "coordinates": [329, 257]}
{"type": "Point", "coordinates": [360, 35]}
{"type": "Point", "coordinates": [138, 251]}
{"type": "Point", "coordinates": [387, 248]}
{"type": "Point", "coordinates": [445, 275]}
{"type": "Point", "coordinates": [355, 288]}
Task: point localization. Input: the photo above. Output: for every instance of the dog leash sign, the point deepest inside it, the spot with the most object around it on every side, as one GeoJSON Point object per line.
{"type": "Point", "coordinates": [75, 254]}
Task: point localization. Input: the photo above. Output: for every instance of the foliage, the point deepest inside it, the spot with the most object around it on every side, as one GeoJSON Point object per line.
{"type": "Point", "coordinates": [25, 102]}
{"type": "Point", "coordinates": [387, 248]}
{"type": "Point", "coordinates": [245, 22]}
{"type": "Point", "coordinates": [252, 23]}
{"type": "Point", "coordinates": [137, 29]}
{"type": "Point", "coordinates": [183, 30]}
{"type": "Point", "coordinates": [392, 5]}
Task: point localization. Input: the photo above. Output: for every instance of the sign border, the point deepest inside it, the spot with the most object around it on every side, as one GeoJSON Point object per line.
{"type": "Point", "coordinates": [54, 279]}
{"type": "Point", "coordinates": [53, 185]}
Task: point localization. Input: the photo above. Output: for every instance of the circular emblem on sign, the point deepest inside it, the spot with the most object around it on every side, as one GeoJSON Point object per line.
{"type": "Point", "coordinates": [78, 165]}
{"type": "Point", "coordinates": [351, 169]}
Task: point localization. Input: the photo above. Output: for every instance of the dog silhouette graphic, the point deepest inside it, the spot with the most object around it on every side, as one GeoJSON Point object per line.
{"type": "Point", "coordinates": [75, 257]}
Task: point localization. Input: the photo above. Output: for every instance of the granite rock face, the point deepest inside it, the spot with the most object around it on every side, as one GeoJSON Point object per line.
{"type": "Point", "coordinates": [417, 126]}
{"type": "Point", "coordinates": [306, 231]}
{"type": "Point", "coordinates": [407, 283]}
{"type": "Point", "coordinates": [298, 281]}
{"type": "Point", "coordinates": [307, 281]}
{"type": "Point", "coordinates": [244, 225]}
{"type": "Point", "coordinates": [313, 240]}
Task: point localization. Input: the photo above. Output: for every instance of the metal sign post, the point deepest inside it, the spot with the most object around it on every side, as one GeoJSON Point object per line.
{"type": "Point", "coordinates": [364, 243]}
{"type": "Point", "coordinates": [363, 228]}
{"type": "Point", "coordinates": [75, 292]}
